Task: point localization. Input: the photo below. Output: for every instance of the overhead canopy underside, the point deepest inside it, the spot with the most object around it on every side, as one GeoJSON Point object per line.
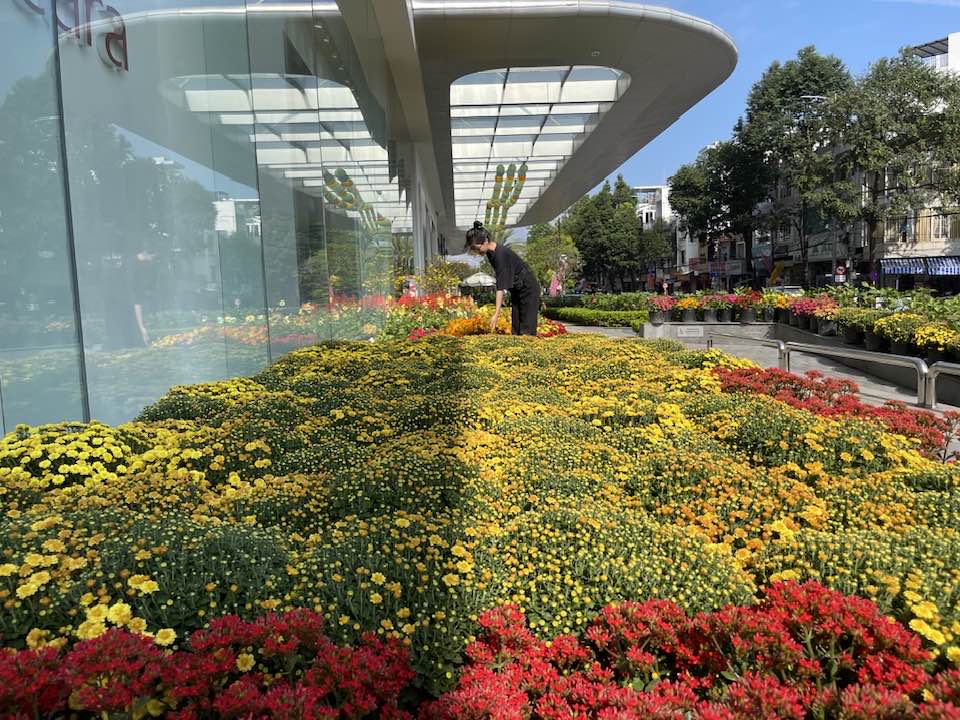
{"type": "Point", "coordinates": [672, 61]}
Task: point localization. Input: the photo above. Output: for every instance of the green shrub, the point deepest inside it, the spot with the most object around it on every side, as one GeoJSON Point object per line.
{"type": "Point", "coordinates": [598, 318]}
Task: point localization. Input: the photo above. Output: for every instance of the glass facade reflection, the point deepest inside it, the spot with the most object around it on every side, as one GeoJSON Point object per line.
{"type": "Point", "coordinates": [188, 192]}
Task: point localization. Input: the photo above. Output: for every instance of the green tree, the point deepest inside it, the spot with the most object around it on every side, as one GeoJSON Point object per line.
{"type": "Point", "coordinates": [787, 125]}
{"type": "Point", "coordinates": [462, 270]}
{"type": "Point", "coordinates": [623, 193]}
{"type": "Point", "coordinates": [656, 244]}
{"type": "Point", "coordinates": [623, 242]}
{"type": "Point", "coordinates": [689, 200]}
{"type": "Point", "coordinates": [547, 249]}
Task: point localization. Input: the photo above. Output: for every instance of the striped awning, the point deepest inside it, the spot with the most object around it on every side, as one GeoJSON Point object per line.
{"type": "Point", "coordinates": [943, 265]}
{"type": "Point", "coordinates": [903, 266]}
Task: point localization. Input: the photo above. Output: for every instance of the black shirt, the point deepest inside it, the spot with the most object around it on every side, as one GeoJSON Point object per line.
{"type": "Point", "coordinates": [512, 272]}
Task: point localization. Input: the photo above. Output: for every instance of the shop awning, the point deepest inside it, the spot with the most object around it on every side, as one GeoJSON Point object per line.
{"type": "Point", "coordinates": [943, 266]}
{"type": "Point", "coordinates": [903, 266]}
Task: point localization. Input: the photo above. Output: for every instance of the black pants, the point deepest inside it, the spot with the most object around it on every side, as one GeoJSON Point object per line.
{"type": "Point", "coordinates": [525, 304]}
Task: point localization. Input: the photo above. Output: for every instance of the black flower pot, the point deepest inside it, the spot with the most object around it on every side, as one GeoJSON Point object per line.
{"type": "Point", "coordinates": [900, 348]}
{"type": "Point", "coordinates": [769, 315]}
{"type": "Point", "coordinates": [709, 315]}
{"type": "Point", "coordinates": [874, 342]}
{"type": "Point", "coordinates": [934, 356]}
{"type": "Point", "coordinates": [748, 316]}
{"type": "Point", "coordinates": [658, 317]}
{"type": "Point", "coordinates": [794, 319]}
{"type": "Point", "coordinates": [689, 316]}
{"type": "Point", "coordinates": [783, 316]}
{"type": "Point", "coordinates": [803, 322]}
{"type": "Point", "coordinates": [826, 328]}
{"type": "Point", "coordinates": [852, 335]}
{"type": "Point", "coordinates": [724, 315]}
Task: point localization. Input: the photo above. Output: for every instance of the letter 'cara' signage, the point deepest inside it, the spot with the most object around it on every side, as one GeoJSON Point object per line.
{"type": "Point", "coordinates": [90, 22]}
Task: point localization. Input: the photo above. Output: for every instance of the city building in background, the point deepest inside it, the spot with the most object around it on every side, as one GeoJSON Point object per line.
{"type": "Point", "coordinates": [920, 247]}
{"type": "Point", "coordinates": [190, 189]}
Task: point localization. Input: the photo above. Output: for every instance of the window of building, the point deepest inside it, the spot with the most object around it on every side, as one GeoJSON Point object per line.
{"type": "Point", "coordinates": [941, 227]}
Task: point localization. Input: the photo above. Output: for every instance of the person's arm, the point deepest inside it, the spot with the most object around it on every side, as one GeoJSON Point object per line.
{"type": "Point", "coordinates": [496, 313]}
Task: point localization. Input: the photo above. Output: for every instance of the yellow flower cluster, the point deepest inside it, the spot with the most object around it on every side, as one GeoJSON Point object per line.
{"type": "Point", "coordinates": [405, 487]}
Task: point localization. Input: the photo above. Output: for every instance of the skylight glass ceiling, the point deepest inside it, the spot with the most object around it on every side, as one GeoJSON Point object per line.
{"type": "Point", "coordinates": [537, 116]}
{"type": "Point", "coordinates": [309, 130]}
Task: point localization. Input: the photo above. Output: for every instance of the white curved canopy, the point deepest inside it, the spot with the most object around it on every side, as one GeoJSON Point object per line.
{"type": "Point", "coordinates": [672, 61]}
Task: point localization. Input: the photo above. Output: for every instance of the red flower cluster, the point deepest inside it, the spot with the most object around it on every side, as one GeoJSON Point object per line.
{"type": "Point", "coordinates": [803, 652]}
{"type": "Point", "coordinates": [826, 396]}
{"type": "Point", "coordinates": [747, 300]}
{"type": "Point", "coordinates": [279, 666]}
{"type": "Point", "coordinates": [550, 328]}
{"type": "Point", "coordinates": [810, 305]}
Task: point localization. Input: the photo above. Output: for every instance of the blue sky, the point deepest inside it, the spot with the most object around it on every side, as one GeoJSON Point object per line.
{"type": "Point", "coordinates": [856, 31]}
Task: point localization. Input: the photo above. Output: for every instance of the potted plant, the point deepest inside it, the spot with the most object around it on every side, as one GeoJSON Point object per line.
{"type": "Point", "coordinates": [849, 322]}
{"type": "Point", "coordinates": [713, 304]}
{"type": "Point", "coordinates": [747, 302]}
{"type": "Point", "coordinates": [802, 309]}
{"type": "Point", "coordinates": [688, 308]}
{"type": "Point", "coordinates": [725, 314]}
{"type": "Point", "coordinates": [899, 329]}
{"type": "Point", "coordinates": [936, 340]}
{"type": "Point", "coordinates": [660, 306]}
{"type": "Point", "coordinates": [772, 307]}
{"type": "Point", "coordinates": [825, 315]}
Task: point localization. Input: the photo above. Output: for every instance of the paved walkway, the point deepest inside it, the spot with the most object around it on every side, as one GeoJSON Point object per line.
{"type": "Point", "coordinates": [873, 390]}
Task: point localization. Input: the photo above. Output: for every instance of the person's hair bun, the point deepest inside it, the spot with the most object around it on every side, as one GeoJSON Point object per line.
{"type": "Point", "coordinates": [477, 224]}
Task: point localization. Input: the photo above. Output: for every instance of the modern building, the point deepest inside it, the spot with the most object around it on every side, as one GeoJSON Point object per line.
{"type": "Point", "coordinates": [190, 188]}
{"type": "Point", "coordinates": [653, 204]}
{"type": "Point", "coordinates": [944, 54]}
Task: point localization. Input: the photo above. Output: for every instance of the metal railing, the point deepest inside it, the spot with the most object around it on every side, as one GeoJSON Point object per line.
{"type": "Point", "coordinates": [923, 372]}
{"type": "Point", "coordinates": [936, 370]}
{"type": "Point", "coordinates": [783, 357]}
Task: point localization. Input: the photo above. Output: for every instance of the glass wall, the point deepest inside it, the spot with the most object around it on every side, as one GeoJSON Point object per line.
{"type": "Point", "coordinates": [228, 182]}
{"type": "Point", "coordinates": [40, 362]}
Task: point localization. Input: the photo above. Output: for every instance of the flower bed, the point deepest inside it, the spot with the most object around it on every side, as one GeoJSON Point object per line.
{"type": "Point", "coordinates": [826, 396]}
{"type": "Point", "coordinates": [405, 488]}
{"type": "Point", "coordinates": [803, 651]}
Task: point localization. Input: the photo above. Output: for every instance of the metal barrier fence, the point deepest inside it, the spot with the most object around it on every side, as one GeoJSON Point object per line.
{"type": "Point", "coordinates": [936, 370]}
{"type": "Point", "coordinates": [783, 358]}
{"type": "Point", "coordinates": [926, 377]}
{"type": "Point", "coordinates": [917, 364]}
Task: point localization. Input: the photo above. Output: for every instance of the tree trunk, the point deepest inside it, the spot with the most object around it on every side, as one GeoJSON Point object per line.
{"type": "Point", "coordinates": [804, 250]}
{"type": "Point", "coordinates": [747, 233]}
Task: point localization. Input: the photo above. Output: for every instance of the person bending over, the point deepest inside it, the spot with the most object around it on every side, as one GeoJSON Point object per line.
{"type": "Point", "coordinates": [513, 274]}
